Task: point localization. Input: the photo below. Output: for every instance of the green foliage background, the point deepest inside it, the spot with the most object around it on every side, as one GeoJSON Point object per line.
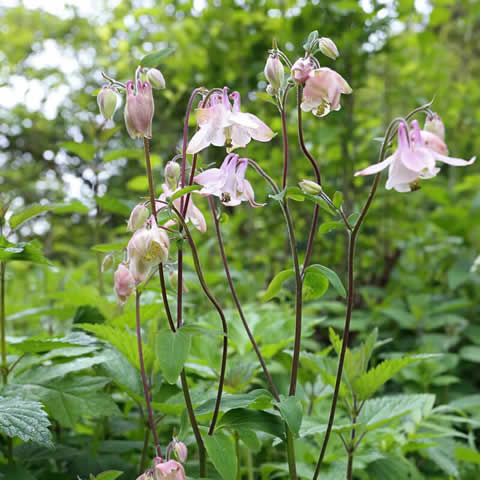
{"type": "Point", "coordinates": [414, 256]}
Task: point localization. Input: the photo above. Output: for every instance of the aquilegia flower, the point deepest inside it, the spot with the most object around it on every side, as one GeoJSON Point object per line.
{"type": "Point", "coordinates": [170, 470]}
{"type": "Point", "coordinates": [124, 283]}
{"type": "Point", "coordinates": [139, 109]}
{"type": "Point", "coordinates": [414, 159]}
{"type": "Point", "coordinates": [222, 124]}
{"type": "Point", "coordinates": [322, 91]}
{"type": "Point", "coordinates": [228, 182]}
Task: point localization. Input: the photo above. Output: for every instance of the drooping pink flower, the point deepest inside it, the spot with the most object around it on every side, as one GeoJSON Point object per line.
{"type": "Point", "coordinates": [124, 283]}
{"type": "Point", "coordinates": [147, 247]}
{"type": "Point", "coordinates": [139, 109]}
{"type": "Point", "coordinates": [170, 470]}
{"type": "Point", "coordinates": [220, 124]}
{"type": "Point", "coordinates": [322, 91]}
{"type": "Point", "coordinates": [413, 160]}
{"type": "Point", "coordinates": [228, 182]}
{"type": "Point", "coordinates": [301, 70]}
{"type": "Point", "coordinates": [193, 213]}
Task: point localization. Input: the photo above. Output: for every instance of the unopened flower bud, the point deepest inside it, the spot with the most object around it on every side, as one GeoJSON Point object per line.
{"type": "Point", "coordinates": [124, 283]}
{"type": "Point", "coordinates": [301, 70]}
{"type": "Point", "coordinates": [170, 470]}
{"type": "Point", "coordinates": [172, 174]}
{"type": "Point", "coordinates": [139, 109]}
{"type": "Point", "coordinates": [156, 78]}
{"type": "Point", "coordinates": [310, 187]}
{"type": "Point", "coordinates": [138, 217]}
{"type": "Point", "coordinates": [180, 450]}
{"type": "Point", "coordinates": [107, 263]}
{"type": "Point", "coordinates": [274, 71]}
{"type": "Point", "coordinates": [434, 124]}
{"type": "Point", "coordinates": [107, 102]}
{"type": "Point", "coordinates": [328, 48]}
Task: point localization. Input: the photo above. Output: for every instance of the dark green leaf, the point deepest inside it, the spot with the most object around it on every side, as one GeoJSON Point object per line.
{"type": "Point", "coordinates": [241, 418]}
{"type": "Point", "coordinates": [292, 412]}
{"type": "Point", "coordinates": [221, 450]}
{"type": "Point", "coordinates": [20, 252]}
{"type": "Point", "coordinates": [172, 352]}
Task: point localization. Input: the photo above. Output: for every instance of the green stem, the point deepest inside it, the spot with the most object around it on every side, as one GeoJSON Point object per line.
{"type": "Point", "coordinates": [2, 322]}
{"type": "Point", "coordinates": [291, 454]}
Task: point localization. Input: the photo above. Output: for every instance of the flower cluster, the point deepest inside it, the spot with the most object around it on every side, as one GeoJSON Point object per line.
{"type": "Point", "coordinates": [416, 156]}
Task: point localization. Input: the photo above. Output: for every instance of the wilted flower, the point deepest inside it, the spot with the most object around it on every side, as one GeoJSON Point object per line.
{"type": "Point", "coordinates": [124, 283]}
{"type": "Point", "coordinates": [147, 247]}
{"type": "Point", "coordinates": [170, 470]}
{"type": "Point", "coordinates": [193, 213]}
{"type": "Point", "coordinates": [274, 71]}
{"type": "Point", "coordinates": [156, 79]}
{"type": "Point", "coordinates": [138, 217]}
{"type": "Point", "coordinates": [139, 109]}
{"type": "Point", "coordinates": [322, 91]}
{"type": "Point", "coordinates": [107, 102]}
{"type": "Point", "coordinates": [412, 160]}
{"type": "Point", "coordinates": [301, 70]}
{"type": "Point", "coordinates": [228, 182]}
{"type": "Point", "coordinates": [220, 124]}
{"type": "Point", "coordinates": [328, 47]}
{"type": "Point", "coordinates": [310, 187]}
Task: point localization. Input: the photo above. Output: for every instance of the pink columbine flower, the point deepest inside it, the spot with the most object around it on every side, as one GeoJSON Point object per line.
{"type": "Point", "coordinates": [170, 470]}
{"type": "Point", "coordinates": [222, 124]}
{"type": "Point", "coordinates": [301, 70]}
{"type": "Point", "coordinates": [139, 109]}
{"type": "Point", "coordinates": [412, 160]}
{"type": "Point", "coordinates": [193, 213]}
{"type": "Point", "coordinates": [147, 247]}
{"type": "Point", "coordinates": [124, 283]}
{"type": "Point", "coordinates": [228, 182]}
{"type": "Point", "coordinates": [322, 91]}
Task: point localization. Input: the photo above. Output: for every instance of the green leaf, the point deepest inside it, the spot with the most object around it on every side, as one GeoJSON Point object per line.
{"type": "Point", "coordinates": [154, 59]}
{"type": "Point", "coordinates": [109, 475]}
{"type": "Point", "coordinates": [256, 420]}
{"type": "Point", "coordinates": [276, 285]}
{"type": "Point", "coordinates": [21, 252]}
{"type": "Point", "coordinates": [368, 383]}
{"type": "Point", "coordinates": [329, 226]}
{"type": "Point", "coordinates": [465, 454]}
{"type": "Point", "coordinates": [124, 341]}
{"type": "Point", "coordinates": [109, 247]}
{"type": "Point", "coordinates": [311, 38]}
{"type": "Point", "coordinates": [337, 199]}
{"type": "Point", "coordinates": [292, 412]}
{"type": "Point", "coordinates": [25, 419]}
{"type": "Point", "coordinates": [138, 184]}
{"type": "Point", "coordinates": [184, 191]}
{"type": "Point", "coordinates": [85, 151]}
{"type": "Point", "coordinates": [123, 153]}
{"type": "Point", "coordinates": [392, 467]}
{"type": "Point", "coordinates": [221, 450]}
{"type": "Point", "coordinates": [113, 205]}
{"type": "Point", "coordinates": [333, 278]}
{"type": "Point", "coordinates": [315, 284]}
{"type": "Point", "coordinates": [172, 351]}
{"type": "Point", "coordinates": [259, 398]}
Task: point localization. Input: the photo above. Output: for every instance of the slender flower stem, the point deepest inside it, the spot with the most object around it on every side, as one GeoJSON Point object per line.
{"type": "Point", "coordinates": [285, 136]}
{"type": "Point", "coordinates": [4, 367]}
{"type": "Point", "coordinates": [194, 424]}
{"type": "Point", "coordinates": [163, 288]}
{"type": "Point", "coordinates": [352, 447]}
{"type": "Point", "coordinates": [352, 235]}
{"type": "Point", "coordinates": [237, 301]}
{"type": "Point", "coordinates": [144, 376]}
{"type": "Point", "coordinates": [217, 306]}
{"type": "Point", "coordinates": [151, 188]}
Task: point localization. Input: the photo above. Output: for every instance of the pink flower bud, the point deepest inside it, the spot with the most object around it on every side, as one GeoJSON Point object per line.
{"type": "Point", "coordinates": [274, 71]}
{"type": "Point", "coordinates": [180, 450]}
{"type": "Point", "coordinates": [328, 48]}
{"type": "Point", "coordinates": [310, 187]}
{"type": "Point", "coordinates": [107, 102]}
{"type": "Point", "coordinates": [172, 174]}
{"type": "Point", "coordinates": [301, 70]}
{"type": "Point", "coordinates": [139, 109]}
{"type": "Point", "coordinates": [124, 283]}
{"type": "Point", "coordinates": [138, 217]}
{"type": "Point", "coordinates": [156, 78]}
{"type": "Point", "coordinates": [434, 124]}
{"type": "Point", "coordinates": [170, 470]}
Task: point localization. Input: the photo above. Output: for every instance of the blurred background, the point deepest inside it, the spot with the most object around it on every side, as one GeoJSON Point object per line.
{"type": "Point", "coordinates": [415, 275]}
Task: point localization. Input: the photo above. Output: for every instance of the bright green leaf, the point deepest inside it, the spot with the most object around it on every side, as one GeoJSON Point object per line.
{"type": "Point", "coordinates": [276, 285]}
{"type": "Point", "coordinates": [154, 59]}
{"type": "Point", "coordinates": [333, 278]}
{"type": "Point", "coordinates": [315, 284]}
{"type": "Point", "coordinates": [172, 351]}
{"type": "Point", "coordinates": [221, 450]}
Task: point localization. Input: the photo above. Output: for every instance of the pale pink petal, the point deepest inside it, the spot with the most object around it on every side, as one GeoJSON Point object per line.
{"type": "Point", "coordinates": [250, 195]}
{"type": "Point", "coordinates": [196, 216]}
{"type": "Point", "coordinates": [417, 159]}
{"type": "Point", "coordinates": [200, 140]}
{"type": "Point", "coordinates": [240, 136]}
{"type": "Point", "coordinates": [378, 167]}
{"type": "Point", "coordinates": [399, 177]}
{"type": "Point", "coordinates": [457, 162]}
{"type": "Point", "coordinates": [244, 119]}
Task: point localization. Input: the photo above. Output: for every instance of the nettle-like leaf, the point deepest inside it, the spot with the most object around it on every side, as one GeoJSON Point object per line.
{"type": "Point", "coordinates": [291, 411]}
{"type": "Point", "coordinates": [21, 252]}
{"type": "Point", "coordinates": [172, 349]}
{"type": "Point", "coordinates": [25, 419]}
{"type": "Point", "coordinates": [368, 383]}
{"type": "Point", "coordinates": [392, 467]}
{"type": "Point", "coordinates": [255, 420]}
{"type": "Point", "coordinates": [221, 450]}
{"type": "Point", "coordinates": [256, 399]}
{"type": "Point", "coordinates": [124, 341]}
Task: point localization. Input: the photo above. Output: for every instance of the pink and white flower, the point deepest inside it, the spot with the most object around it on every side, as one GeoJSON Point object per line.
{"type": "Point", "coordinates": [222, 124]}
{"type": "Point", "coordinates": [170, 470]}
{"type": "Point", "coordinates": [228, 182]}
{"type": "Point", "coordinates": [124, 283]}
{"type": "Point", "coordinates": [413, 160]}
{"type": "Point", "coordinates": [322, 91]}
{"type": "Point", "coordinates": [139, 109]}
